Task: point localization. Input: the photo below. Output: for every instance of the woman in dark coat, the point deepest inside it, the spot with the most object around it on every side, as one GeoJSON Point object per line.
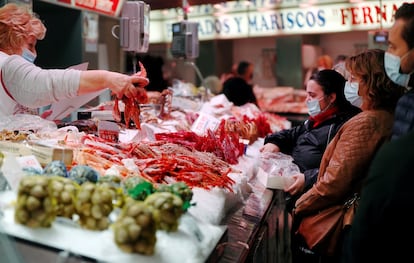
{"type": "Point", "coordinates": [306, 143]}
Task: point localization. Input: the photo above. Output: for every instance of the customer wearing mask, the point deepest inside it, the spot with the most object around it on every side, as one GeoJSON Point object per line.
{"type": "Point", "coordinates": [399, 65]}
{"type": "Point", "coordinates": [306, 143]}
{"type": "Point", "coordinates": [239, 89]}
{"type": "Point", "coordinates": [382, 228]}
{"type": "Point", "coordinates": [25, 87]}
{"type": "Point", "coordinates": [346, 160]}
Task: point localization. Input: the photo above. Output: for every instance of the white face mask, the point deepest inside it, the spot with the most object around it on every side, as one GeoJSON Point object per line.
{"type": "Point", "coordinates": [392, 64]}
{"type": "Point", "coordinates": [314, 107]}
{"type": "Point", "coordinates": [351, 93]}
{"type": "Point", "coordinates": [28, 55]}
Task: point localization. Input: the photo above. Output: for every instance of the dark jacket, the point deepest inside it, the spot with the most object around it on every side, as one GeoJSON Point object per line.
{"type": "Point", "coordinates": [306, 145]}
{"type": "Point", "coordinates": [404, 115]}
{"type": "Point", "coordinates": [383, 228]}
{"type": "Point", "coordinates": [238, 91]}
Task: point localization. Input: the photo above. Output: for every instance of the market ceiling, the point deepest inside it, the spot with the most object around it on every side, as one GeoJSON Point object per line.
{"type": "Point", "coordinates": [165, 4]}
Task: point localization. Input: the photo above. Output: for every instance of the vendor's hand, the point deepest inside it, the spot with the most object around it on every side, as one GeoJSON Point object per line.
{"type": "Point", "coordinates": [120, 84]}
{"type": "Point", "coordinates": [298, 184]}
{"type": "Point", "coordinates": [124, 85]}
{"type": "Point", "coordinates": [138, 81]}
{"type": "Point", "coordinates": [270, 148]}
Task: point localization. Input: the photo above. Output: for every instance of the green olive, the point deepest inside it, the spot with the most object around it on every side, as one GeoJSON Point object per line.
{"type": "Point", "coordinates": [106, 196]}
{"type": "Point", "coordinates": [126, 248]}
{"type": "Point", "coordinates": [90, 223]}
{"type": "Point", "coordinates": [65, 197]}
{"type": "Point", "coordinates": [127, 220]}
{"type": "Point", "coordinates": [86, 209]}
{"type": "Point", "coordinates": [48, 205]}
{"type": "Point", "coordinates": [106, 209]}
{"type": "Point", "coordinates": [21, 216]}
{"type": "Point", "coordinates": [121, 235]}
{"type": "Point", "coordinates": [38, 191]}
{"type": "Point", "coordinates": [134, 231]}
{"type": "Point", "coordinates": [96, 212]}
{"type": "Point", "coordinates": [84, 196]}
{"type": "Point", "coordinates": [39, 215]}
{"type": "Point", "coordinates": [144, 220]}
{"type": "Point", "coordinates": [103, 223]}
{"type": "Point", "coordinates": [69, 187]}
{"type": "Point", "coordinates": [57, 186]}
{"type": "Point", "coordinates": [32, 203]}
{"type": "Point", "coordinates": [96, 198]}
{"type": "Point", "coordinates": [134, 210]}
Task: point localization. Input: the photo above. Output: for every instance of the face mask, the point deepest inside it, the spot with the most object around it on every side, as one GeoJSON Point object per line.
{"type": "Point", "coordinates": [28, 55]}
{"type": "Point", "coordinates": [392, 65]}
{"type": "Point", "coordinates": [351, 93]}
{"type": "Point", "coordinates": [314, 107]}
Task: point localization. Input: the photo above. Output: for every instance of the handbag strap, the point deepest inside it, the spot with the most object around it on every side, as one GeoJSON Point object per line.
{"type": "Point", "coordinates": [355, 197]}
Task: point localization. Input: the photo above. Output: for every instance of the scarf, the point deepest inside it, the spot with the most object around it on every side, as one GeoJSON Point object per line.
{"type": "Point", "coordinates": [323, 116]}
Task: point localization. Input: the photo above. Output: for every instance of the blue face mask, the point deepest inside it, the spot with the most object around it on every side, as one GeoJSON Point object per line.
{"type": "Point", "coordinates": [314, 107]}
{"type": "Point", "coordinates": [351, 93]}
{"type": "Point", "coordinates": [392, 64]}
{"type": "Point", "coordinates": [28, 55]}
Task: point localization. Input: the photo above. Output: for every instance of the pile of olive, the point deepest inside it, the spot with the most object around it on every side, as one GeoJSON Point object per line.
{"type": "Point", "coordinates": [135, 228]}
{"type": "Point", "coordinates": [93, 204]}
{"type": "Point", "coordinates": [64, 191]}
{"type": "Point", "coordinates": [36, 206]}
{"type": "Point", "coordinates": [167, 209]}
{"type": "Point", "coordinates": [42, 198]}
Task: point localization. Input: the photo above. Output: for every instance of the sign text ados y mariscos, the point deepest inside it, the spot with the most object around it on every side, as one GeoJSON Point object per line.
{"type": "Point", "coordinates": [333, 18]}
{"type": "Point", "coordinates": [264, 22]}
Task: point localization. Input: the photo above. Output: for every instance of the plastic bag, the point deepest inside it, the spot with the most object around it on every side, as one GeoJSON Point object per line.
{"type": "Point", "coordinates": [278, 168]}
{"type": "Point", "coordinates": [26, 122]}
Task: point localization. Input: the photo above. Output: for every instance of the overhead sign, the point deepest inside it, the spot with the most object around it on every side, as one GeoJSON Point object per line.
{"type": "Point", "coordinates": [260, 21]}
{"type": "Point", "coordinates": [105, 7]}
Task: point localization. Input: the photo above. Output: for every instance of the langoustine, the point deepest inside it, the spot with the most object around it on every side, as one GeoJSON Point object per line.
{"type": "Point", "coordinates": [132, 111]}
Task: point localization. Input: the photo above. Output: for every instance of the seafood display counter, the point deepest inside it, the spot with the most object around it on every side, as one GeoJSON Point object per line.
{"type": "Point", "coordinates": [235, 217]}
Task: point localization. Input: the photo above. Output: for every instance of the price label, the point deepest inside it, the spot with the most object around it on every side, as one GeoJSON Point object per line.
{"type": "Point", "coordinates": [29, 161]}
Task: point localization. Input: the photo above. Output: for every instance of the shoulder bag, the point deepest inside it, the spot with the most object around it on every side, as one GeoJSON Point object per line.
{"type": "Point", "coordinates": [322, 231]}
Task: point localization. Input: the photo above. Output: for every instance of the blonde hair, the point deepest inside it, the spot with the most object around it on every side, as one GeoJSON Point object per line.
{"type": "Point", "coordinates": [17, 24]}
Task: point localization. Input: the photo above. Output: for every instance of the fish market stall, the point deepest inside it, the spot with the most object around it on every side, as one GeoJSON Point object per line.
{"type": "Point", "coordinates": [222, 220]}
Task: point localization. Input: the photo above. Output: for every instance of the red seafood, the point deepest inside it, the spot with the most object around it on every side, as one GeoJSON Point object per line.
{"type": "Point", "coordinates": [166, 103]}
{"type": "Point", "coordinates": [132, 110]}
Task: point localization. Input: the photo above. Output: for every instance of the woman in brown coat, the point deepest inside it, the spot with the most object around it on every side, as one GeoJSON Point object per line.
{"type": "Point", "coordinates": [346, 160]}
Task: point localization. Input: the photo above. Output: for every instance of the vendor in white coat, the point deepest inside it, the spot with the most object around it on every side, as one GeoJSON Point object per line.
{"type": "Point", "coordinates": [26, 87]}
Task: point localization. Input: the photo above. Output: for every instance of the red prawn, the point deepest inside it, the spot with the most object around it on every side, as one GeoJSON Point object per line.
{"type": "Point", "coordinates": [132, 111]}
